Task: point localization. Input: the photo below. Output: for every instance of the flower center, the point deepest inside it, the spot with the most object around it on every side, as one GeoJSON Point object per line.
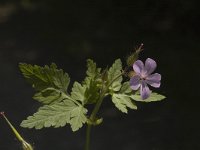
{"type": "Point", "coordinates": [143, 78]}
{"type": "Point", "coordinates": [143, 75]}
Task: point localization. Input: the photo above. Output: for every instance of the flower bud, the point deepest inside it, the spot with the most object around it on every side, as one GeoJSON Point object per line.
{"type": "Point", "coordinates": [134, 56]}
{"type": "Point", "coordinates": [131, 74]}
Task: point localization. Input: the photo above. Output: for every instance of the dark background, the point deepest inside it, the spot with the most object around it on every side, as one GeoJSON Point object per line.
{"type": "Point", "coordinates": [67, 32]}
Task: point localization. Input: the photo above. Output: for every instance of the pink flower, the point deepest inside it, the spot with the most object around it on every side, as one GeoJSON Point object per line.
{"type": "Point", "coordinates": [144, 77]}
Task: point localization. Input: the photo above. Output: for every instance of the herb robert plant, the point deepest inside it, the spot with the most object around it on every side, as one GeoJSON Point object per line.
{"type": "Point", "coordinates": [61, 106]}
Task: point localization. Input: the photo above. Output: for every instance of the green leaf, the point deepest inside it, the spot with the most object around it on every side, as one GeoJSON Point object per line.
{"type": "Point", "coordinates": [49, 95]}
{"type": "Point", "coordinates": [93, 73]}
{"type": "Point", "coordinates": [45, 77]}
{"type": "Point", "coordinates": [92, 70]}
{"type": "Point", "coordinates": [113, 73]}
{"type": "Point", "coordinates": [92, 82]}
{"type": "Point", "coordinates": [78, 92]}
{"type": "Point", "coordinates": [153, 97]}
{"type": "Point", "coordinates": [122, 101]}
{"type": "Point", "coordinates": [126, 88]}
{"type": "Point", "coordinates": [92, 92]}
{"type": "Point", "coordinates": [78, 117]}
{"type": "Point", "coordinates": [57, 115]}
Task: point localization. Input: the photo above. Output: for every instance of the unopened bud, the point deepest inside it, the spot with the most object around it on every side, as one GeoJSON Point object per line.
{"type": "Point", "coordinates": [134, 56]}
{"type": "Point", "coordinates": [131, 74]}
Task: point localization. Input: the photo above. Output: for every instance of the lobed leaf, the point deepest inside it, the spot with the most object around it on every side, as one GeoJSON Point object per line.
{"type": "Point", "coordinates": [57, 115]}
{"type": "Point", "coordinates": [92, 70]}
{"type": "Point", "coordinates": [126, 89]}
{"type": "Point", "coordinates": [45, 77]}
{"type": "Point", "coordinates": [49, 95]}
{"type": "Point", "coordinates": [92, 92]}
{"type": "Point", "coordinates": [113, 72]}
{"type": "Point", "coordinates": [78, 117]}
{"type": "Point", "coordinates": [78, 92]}
{"type": "Point", "coordinates": [122, 101]}
{"type": "Point", "coordinates": [92, 82]}
{"type": "Point", "coordinates": [153, 97]}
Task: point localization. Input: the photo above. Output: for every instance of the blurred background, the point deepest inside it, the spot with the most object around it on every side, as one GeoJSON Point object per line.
{"type": "Point", "coordinates": [68, 32]}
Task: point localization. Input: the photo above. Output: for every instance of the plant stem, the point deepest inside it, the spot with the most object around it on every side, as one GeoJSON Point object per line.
{"type": "Point", "coordinates": [101, 97]}
{"type": "Point", "coordinates": [95, 111]}
{"type": "Point", "coordinates": [92, 118]}
{"type": "Point", "coordinates": [88, 131]}
{"type": "Point", "coordinates": [97, 106]}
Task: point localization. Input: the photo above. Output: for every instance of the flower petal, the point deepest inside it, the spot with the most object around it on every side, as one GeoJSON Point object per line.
{"type": "Point", "coordinates": [150, 66]}
{"type": "Point", "coordinates": [154, 80]}
{"type": "Point", "coordinates": [144, 90]}
{"type": "Point", "coordinates": [135, 82]}
{"type": "Point", "coordinates": [138, 66]}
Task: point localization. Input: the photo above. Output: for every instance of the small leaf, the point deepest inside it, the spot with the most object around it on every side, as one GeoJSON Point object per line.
{"type": "Point", "coordinates": [92, 70]}
{"type": "Point", "coordinates": [114, 72]}
{"type": "Point", "coordinates": [92, 82]}
{"type": "Point", "coordinates": [153, 97]}
{"type": "Point", "coordinates": [115, 86]}
{"type": "Point", "coordinates": [93, 73]}
{"type": "Point", "coordinates": [57, 115]}
{"type": "Point", "coordinates": [92, 92]}
{"type": "Point", "coordinates": [49, 95]}
{"type": "Point", "coordinates": [45, 77]}
{"type": "Point", "coordinates": [126, 88]}
{"type": "Point", "coordinates": [123, 101]}
{"type": "Point", "coordinates": [78, 92]}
